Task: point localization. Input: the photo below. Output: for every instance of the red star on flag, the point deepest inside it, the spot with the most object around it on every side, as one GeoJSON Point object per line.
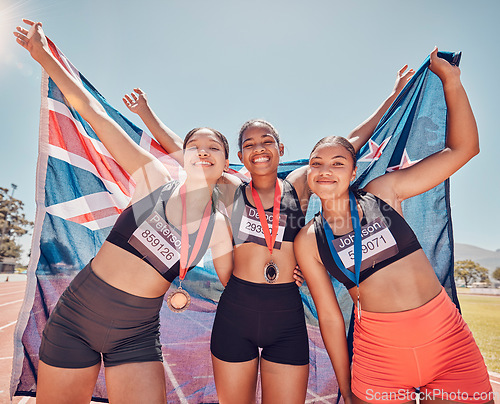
{"type": "Point", "coordinates": [375, 150]}
{"type": "Point", "coordinates": [405, 162]}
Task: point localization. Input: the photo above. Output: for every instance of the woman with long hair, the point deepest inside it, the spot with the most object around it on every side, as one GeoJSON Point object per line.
{"type": "Point", "coordinates": [409, 338]}
{"type": "Point", "coordinates": [110, 311]}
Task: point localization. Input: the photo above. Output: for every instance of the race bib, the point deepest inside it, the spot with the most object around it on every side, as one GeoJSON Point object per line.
{"type": "Point", "coordinates": [158, 242]}
{"type": "Point", "coordinates": [251, 229]}
{"type": "Point", "coordinates": [377, 244]}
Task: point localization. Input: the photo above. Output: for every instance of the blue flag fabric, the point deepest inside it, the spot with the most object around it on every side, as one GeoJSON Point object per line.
{"type": "Point", "coordinates": [81, 191]}
{"type": "Point", "coordinates": [413, 128]}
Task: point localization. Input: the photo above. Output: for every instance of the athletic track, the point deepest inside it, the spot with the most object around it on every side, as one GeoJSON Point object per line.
{"type": "Point", "coordinates": [11, 297]}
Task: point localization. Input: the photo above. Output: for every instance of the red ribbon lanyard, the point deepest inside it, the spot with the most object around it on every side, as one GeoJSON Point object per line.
{"type": "Point", "coordinates": [270, 238]}
{"type": "Point", "coordinates": [186, 260]}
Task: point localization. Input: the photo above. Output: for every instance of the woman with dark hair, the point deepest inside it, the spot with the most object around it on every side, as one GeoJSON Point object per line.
{"type": "Point", "coordinates": [110, 311]}
{"type": "Point", "coordinates": [408, 335]}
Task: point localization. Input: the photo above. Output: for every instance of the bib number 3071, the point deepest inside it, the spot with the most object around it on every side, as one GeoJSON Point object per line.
{"type": "Point", "coordinates": [377, 244]}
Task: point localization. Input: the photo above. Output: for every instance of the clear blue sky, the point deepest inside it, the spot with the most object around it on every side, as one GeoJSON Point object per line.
{"type": "Point", "coordinates": [312, 68]}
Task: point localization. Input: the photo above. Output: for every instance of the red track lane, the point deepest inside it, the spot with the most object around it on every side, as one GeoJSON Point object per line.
{"type": "Point", "coordinates": [11, 294]}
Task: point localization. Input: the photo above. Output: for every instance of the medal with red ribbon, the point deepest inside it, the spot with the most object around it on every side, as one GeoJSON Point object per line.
{"type": "Point", "coordinates": [179, 300]}
{"type": "Point", "coordinates": [271, 271]}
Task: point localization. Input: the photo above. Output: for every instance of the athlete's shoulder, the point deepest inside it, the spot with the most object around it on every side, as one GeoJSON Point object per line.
{"type": "Point", "coordinates": [306, 235]}
{"type": "Point", "coordinates": [298, 179]}
{"type": "Point", "coordinates": [229, 179]}
{"type": "Point", "coordinates": [227, 186]}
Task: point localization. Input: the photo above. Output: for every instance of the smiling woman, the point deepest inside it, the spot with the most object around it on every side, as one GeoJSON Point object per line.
{"type": "Point", "coordinates": [404, 320]}
{"type": "Point", "coordinates": [200, 145]}
{"type": "Point", "coordinates": [124, 284]}
{"type": "Point", "coordinates": [261, 305]}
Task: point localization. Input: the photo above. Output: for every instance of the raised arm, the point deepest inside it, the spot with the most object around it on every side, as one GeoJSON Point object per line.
{"type": "Point", "coordinates": [132, 158]}
{"type": "Point", "coordinates": [137, 103]}
{"type": "Point", "coordinates": [331, 321]}
{"type": "Point", "coordinates": [360, 135]}
{"type": "Point", "coordinates": [462, 143]}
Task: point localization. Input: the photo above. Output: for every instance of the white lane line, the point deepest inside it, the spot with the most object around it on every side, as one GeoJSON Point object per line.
{"type": "Point", "coordinates": [11, 293]}
{"type": "Point", "coordinates": [190, 343]}
{"type": "Point", "coordinates": [175, 385]}
{"type": "Point", "coordinates": [8, 325]}
{"type": "Point", "coordinates": [318, 399]}
{"type": "Point", "coordinates": [201, 324]}
{"type": "Point", "coordinates": [24, 400]}
{"type": "Point", "coordinates": [6, 357]}
{"type": "Point", "coordinates": [494, 381]}
{"type": "Point", "coordinates": [15, 301]}
{"type": "Point", "coordinates": [324, 399]}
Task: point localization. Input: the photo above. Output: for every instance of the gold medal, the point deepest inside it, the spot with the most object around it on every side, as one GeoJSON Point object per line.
{"type": "Point", "coordinates": [271, 272]}
{"type": "Point", "coordinates": [179, 300]}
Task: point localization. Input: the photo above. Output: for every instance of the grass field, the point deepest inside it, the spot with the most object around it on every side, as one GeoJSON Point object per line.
{"type": "Point", "coordinates": [482, 314]}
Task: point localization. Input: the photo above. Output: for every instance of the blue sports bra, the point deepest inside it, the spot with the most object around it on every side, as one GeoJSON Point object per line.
{"type": "Point", "coordinates": [386, 238]}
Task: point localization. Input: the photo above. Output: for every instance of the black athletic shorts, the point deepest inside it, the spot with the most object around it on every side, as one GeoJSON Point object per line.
{"type": "Point", "coordinates": [255, 315]}
{"type": "Point", "coordinates": [92, 318]}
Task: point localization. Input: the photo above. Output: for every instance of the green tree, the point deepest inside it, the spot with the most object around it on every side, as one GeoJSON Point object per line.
{"type": "Point", "coordinates": [496, 274]}
{"type": "Point", "coordinates": [470, 271]}
{"type": "Point", "coordinates": [13, 223]}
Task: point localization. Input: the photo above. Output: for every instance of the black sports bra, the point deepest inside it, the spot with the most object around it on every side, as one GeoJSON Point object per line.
{"type": "Point", "coordinates": [245, 221]}
{"type": "Point", "coordinates": [386, 236]}
{"type": "Point", "coordinates": [135, 215]}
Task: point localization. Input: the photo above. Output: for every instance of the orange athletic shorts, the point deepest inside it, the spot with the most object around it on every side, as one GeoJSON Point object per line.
{"type": "Point", "coordinates": [427, 352]}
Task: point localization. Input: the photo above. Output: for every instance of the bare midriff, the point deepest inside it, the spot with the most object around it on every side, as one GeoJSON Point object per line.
{"type": "Point", "coordinates": [403, 285]}
{"type": "Point", "coordinates": [129, 273]}
{"type": "Point", "coordinates": [250, 260]}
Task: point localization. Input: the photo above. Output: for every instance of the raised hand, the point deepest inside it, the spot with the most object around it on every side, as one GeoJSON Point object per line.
{"type": "Point", "coordinates": [129, 155]}
{"type": "Point", "coordinates": [32, 39]}
{"type": "Point", "coordinates": [402, 78]}
{"type": "Point", "coordinates": [136, 102]}
{"type": "Point", "coordinates": [462, 143]}
{"type": "Point", "coordinates": [360, 135]}
{"type": "Point", "coordinates": [443, 69]}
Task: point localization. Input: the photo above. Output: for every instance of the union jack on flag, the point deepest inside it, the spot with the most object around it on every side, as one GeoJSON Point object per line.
{"type": "Point", "coordinates": [74, 144]}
